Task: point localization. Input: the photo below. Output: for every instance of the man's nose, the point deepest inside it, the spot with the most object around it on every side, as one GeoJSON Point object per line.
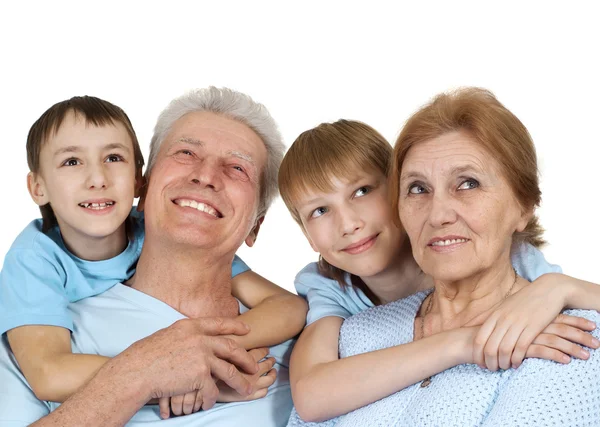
{"type": "Point", "coordinates": [207, 174]}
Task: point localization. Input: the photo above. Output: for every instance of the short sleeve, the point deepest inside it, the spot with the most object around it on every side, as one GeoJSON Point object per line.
{"type": "Point", "coordinates": [530, 262]}
{"type": "Point", "coordinates": [32, 292]}
{"type": "Point", "coordinates": [326, 297]}
{"type": "Point", "coordinates": [238, 266]}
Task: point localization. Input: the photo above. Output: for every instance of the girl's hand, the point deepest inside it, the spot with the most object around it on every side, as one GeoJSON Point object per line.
{"type": "Point", "coordinates": [262, 380]}
{"type": "Point", "coordinates": [513, 330]}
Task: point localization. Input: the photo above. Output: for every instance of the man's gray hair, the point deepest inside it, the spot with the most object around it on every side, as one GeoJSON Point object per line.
{"type": "Point", "coordinates": [234, 105]}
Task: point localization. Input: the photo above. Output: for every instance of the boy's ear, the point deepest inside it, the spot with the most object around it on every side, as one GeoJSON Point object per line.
{"type": "Point", "coordinates": [140, 183]}
{"type": "Point", "coordinates": [37, 190]}
{"type": "Point", "coordinates": [141, 192]}
{"type": "Point", "coordinates": [254, 232]}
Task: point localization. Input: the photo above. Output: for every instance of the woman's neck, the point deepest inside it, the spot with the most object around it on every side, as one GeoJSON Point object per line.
{"type": "Point", "coordinates": [402, 278]}
{"type": "Point", "coordinates": [456, 303]}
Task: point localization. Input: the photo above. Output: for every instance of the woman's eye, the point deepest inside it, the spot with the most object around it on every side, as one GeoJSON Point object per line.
{"type": "Point", "coordinates": [71, 162]}
{"type": "Point", "coordinates": [468, 184]}
{"type": "Point", "coordinates": [362, 191]}
{"type": "Point", "coordinates": [114, 158]}
{"type": "Point", "coordinates": [416, 189]}
{"type": "Point", "coordinates": [318, 212]}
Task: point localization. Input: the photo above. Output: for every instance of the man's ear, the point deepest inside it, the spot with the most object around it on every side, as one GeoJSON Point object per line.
{"type": "Point", "coordinates": [37, 190]}
{"type": "Point", "coordinates": [254, 232]}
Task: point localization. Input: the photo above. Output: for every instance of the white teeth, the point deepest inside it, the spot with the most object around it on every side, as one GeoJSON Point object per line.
{"type": "Point", "coordinates": [449, 242]}
{"type": "Point", "coordinates": [198, 205]}
{"type": "Point", "coordinates": [96, 206]}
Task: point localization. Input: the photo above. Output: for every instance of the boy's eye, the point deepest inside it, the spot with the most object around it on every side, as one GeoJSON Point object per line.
{"type": "Point", "coordinates": [318, 212]}
{"type": "Point", "coordinates": [114, 158]}
{"type": "Point", "coordinates": [71, 162]}
{"type": "Point", "coordinates": [362, 191]}
{"type": "Point", "coordinates": [469, 184]}
{"type": "Point", "coordinates": [416, 189]}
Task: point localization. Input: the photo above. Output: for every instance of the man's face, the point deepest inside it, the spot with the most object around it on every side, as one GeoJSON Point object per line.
{"type": "Point", "coordinates": [204, 186]}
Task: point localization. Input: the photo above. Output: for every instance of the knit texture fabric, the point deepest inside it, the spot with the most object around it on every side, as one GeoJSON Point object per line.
{"type": "Point", "coordinates": [538, 393]}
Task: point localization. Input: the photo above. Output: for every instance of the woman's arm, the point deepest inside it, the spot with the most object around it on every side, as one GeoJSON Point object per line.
{"type": "Point", "coordinates": [275, 314]}
{"type": "Point", "coordinates": [45, 358]}
{"type": "Point", "coordinates": [324, 386]}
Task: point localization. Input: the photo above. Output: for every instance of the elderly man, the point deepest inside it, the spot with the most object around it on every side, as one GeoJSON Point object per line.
{"type": "Point", "coordinates": [167, 327]}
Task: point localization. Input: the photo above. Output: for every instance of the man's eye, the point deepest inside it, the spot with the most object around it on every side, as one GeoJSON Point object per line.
{"type": "Point", "coordinates": [362, 191]}
{"type": "Point", "coordinates": [114, 158]}
{"type": "Point", "coordinates": [185, 152]}
{"type": "Point", "coordinates": [71, 162]}
{"type": "Point", "coordinates": [238, 168]}
{"type": "Point", "coordinates": [416, 189]}
{"type": "Point", "coordinates": [469, 184]}
{"type": "Point", "coordinates": [318, 212]}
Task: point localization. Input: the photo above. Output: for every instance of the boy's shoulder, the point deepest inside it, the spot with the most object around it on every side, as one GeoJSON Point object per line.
{"type": "Point", "coordinates": [33, 238]}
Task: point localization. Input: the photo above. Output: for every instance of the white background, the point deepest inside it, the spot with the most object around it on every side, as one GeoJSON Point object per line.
{"type": "Point", "coordinates": [313, 62]}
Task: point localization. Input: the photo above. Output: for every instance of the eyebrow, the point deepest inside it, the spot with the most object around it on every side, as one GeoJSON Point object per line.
{"type": "Point", "coordinates": [76, 148]}
{"type": "Point", "coordinates": [456, 171]}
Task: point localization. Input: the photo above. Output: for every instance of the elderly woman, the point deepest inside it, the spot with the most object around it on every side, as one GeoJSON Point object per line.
{"type": "Point", "coordinates": [465, 187]}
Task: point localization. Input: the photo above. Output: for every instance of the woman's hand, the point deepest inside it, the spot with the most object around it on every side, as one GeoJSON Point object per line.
{"type": "Point", "coordinates": [526, 325]}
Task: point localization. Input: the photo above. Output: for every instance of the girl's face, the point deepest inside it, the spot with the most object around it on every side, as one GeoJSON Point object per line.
{"type": "Point", "coordinates": [352, 226]}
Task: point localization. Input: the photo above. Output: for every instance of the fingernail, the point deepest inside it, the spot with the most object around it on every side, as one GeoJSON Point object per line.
{"type": "Point", "coordinates": [565, 359]}
{"type": "Point", "coordinates": [584, 353]}
{"type": "Point", "coordinates": [595, 343]}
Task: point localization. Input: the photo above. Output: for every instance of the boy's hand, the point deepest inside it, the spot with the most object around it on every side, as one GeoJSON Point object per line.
{"type": "Point", "coordinates": [261, 381]}
{"type": "Point", "coordinates": [526, 325]}
{"type": "Point", "coordinates": [180, 405]}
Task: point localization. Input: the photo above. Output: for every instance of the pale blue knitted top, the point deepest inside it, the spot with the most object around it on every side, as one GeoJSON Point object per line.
{"type": "Point", "coordinates": [538, 393]}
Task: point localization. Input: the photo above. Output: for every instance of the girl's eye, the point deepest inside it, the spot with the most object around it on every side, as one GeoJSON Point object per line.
{"type": "Point", "coordinates": [469, 184]}
{"type": "Point", "coordinates": [416, 189]}
{"type": "Point", "coordinates": [71, 162]}
{"type": "Point", "coordinates": [318, 212]}
{"type": "Point", "coordinates": [114, 158]}
{"type": "Point", "coordinates": [362, 191]}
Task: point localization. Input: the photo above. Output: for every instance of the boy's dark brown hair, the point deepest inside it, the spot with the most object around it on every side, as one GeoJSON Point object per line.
{"type": "Point", "coordinates": [94, 111]}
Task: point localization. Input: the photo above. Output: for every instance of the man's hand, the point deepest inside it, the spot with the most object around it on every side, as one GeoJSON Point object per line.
{"type": "Point", "coordinates": [190, 355]}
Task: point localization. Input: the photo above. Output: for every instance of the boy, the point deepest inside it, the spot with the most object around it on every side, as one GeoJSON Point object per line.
{"type": "Point", "coordinates": [85, 170]}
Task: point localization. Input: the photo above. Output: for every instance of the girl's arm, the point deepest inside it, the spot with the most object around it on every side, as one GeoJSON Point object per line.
{"type": "Point", "coordinates": [325, 386]}
{"type": "Point", "coordinates": [275, 314]}
{"type": "Point", "coordinates": [45, 358]}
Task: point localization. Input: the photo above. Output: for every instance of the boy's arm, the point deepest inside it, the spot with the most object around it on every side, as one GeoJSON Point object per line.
{"type": "Point", "coordinates": [325, 386]}
{"type": "Point", "coordinates": [275, 314]}
{"type": "Point", "coordinates": [45, 358]}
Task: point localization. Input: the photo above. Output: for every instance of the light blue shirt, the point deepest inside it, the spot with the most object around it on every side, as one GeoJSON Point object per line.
{"type": "Point", "coordinates": [538, 393]}
{"type": "Point", "coordinates": [40, 277]}
{"type": "Point", "coordinates": [110, 322]}
{"type": "Point", "coordinates": [327, 298]}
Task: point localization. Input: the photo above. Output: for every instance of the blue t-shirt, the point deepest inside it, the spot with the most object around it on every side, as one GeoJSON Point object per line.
{"type": "Point", "coordinates": [99, 330]}
{"type": "Point", "coordinates": [40, 277]}
{"type": "Point", "coordinates": [327, 298]}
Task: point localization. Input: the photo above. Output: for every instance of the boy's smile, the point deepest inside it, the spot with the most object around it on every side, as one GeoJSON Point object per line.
{"type": "Point", "coordinates": [87, 174]}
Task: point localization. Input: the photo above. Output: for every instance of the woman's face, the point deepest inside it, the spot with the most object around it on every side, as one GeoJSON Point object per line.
{"type": "Point", "coordinates": [352, 226]}
{"type": "Point", "coordinates": [457, 208]}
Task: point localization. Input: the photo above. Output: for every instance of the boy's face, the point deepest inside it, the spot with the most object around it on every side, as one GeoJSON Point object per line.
{"type": "Point", "coordinates": [351, 226]}
{"type": "Point", "coordinates": [87, 174]}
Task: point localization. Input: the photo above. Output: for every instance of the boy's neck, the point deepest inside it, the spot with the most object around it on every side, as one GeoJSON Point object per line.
{"type": "Point", "coordinates": [91, 248]}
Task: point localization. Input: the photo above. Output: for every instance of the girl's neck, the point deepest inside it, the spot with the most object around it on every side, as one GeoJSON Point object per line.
{"type": "Point", "coordinates": [401, 279]}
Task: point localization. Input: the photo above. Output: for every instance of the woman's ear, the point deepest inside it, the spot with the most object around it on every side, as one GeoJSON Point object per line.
{"type": "Point", "coordinates": [37, 190]}
{"type": "Point", "coordinates": [526, 215]}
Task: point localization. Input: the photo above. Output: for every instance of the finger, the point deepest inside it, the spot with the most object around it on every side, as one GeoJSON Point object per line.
{"type": "Point", "coordinates": [259, 353]}
{"type": "Point", "coordinates": [566, 347]}
{"type": "Point", "coordinates": [543, 352]}
{"type": "Point", "coordinates": [265, 366]}
{"type": "Point", "coordinates": [189, 399]}
{"type": "Point", "coordinates": [507, 347]}
{"type": "Point", "coordinates": [522, 345]}
{"type": "Point", "coordinates": [177, 405]}
{"type": "Point", "coordinates": [573, 334]}
{"type": "Point", "coordinates": [491, 349]}
{"type": "Point", "coordinates": [576, 322]}
{"type": "Point", "coordinates": [221, 326]}
{"type": "Point", "coordinates": [198, 401]}
{"type": "Point", "coordinates": [267, 380]}
{"type": "Point", "coordinates": [210, 393]}
{"type": "Point", "coordinates": [229, 374]}
{"type": "Point", "coordinates": [481, 340]}
{"type": "Point", "coordinates": [164, 407]}
{"type": "Point", "coordinates": [228, 349]}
